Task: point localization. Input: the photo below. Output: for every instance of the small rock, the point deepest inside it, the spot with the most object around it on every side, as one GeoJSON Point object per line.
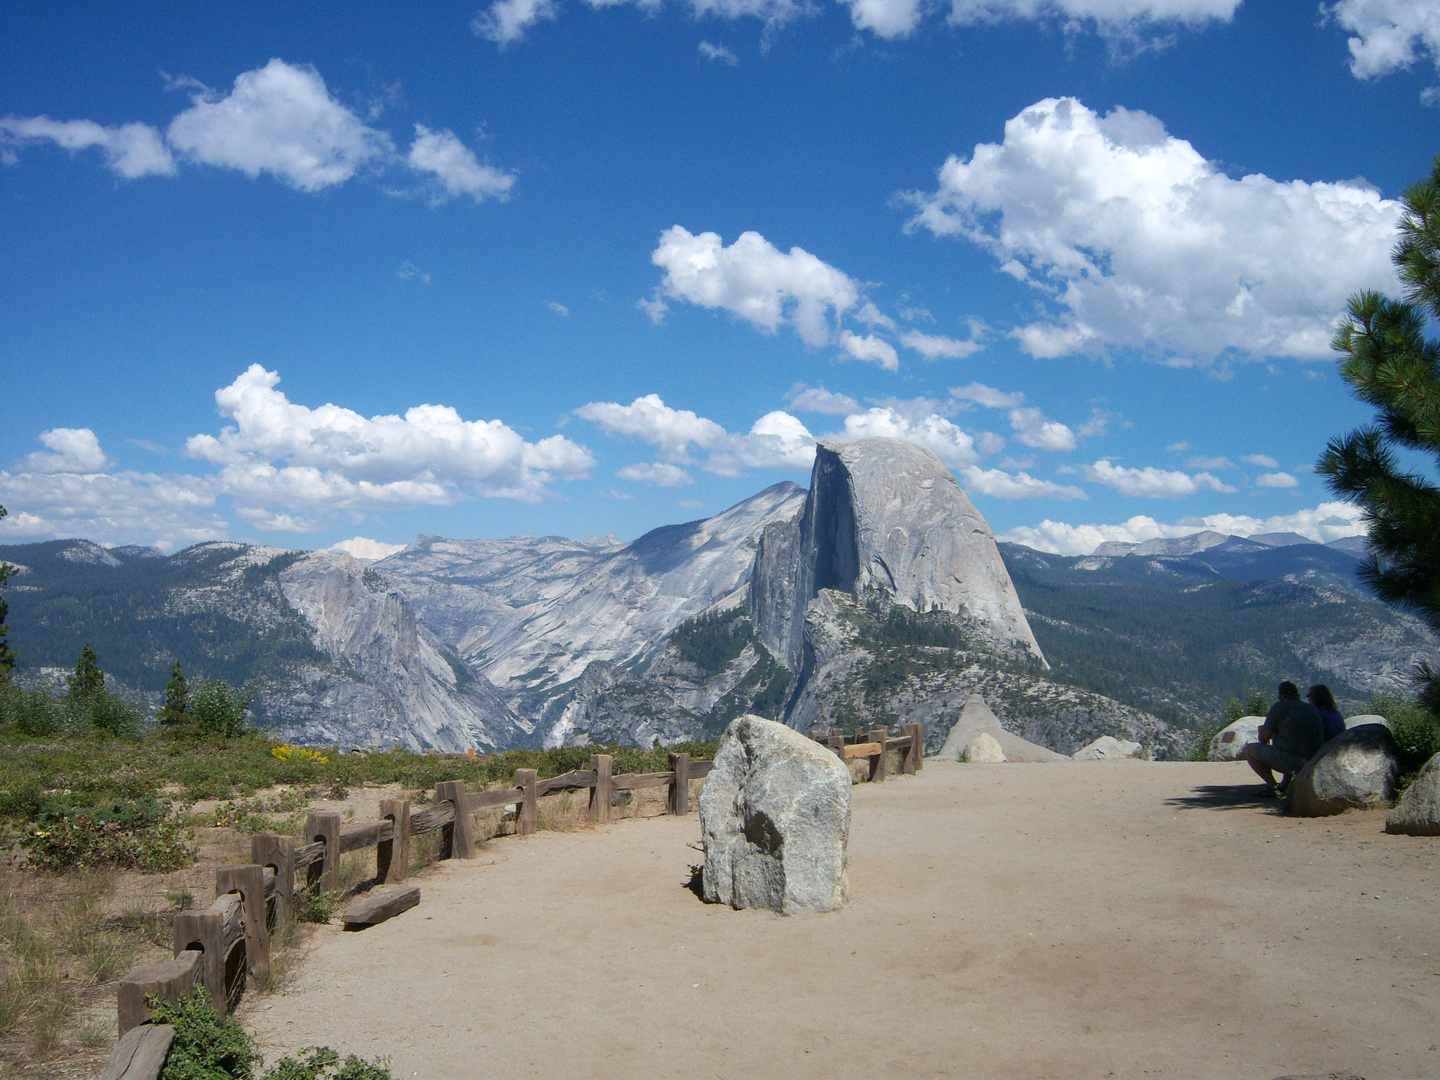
{"type": "Point", "coordinates": [1356, 769]}
{"type": "Point", "coordinates": [1418, 812]}
{"type": "Point", "coordinates": [775, 820]}
{"type": "Point", "coordinates": [983, 749]}
{"type": "Point", "coordinates": [1109, 748]}
{"type": "Point", "coordinates": [1228, 740]}
{"type": "Point", "coordinates": [1363, 719]}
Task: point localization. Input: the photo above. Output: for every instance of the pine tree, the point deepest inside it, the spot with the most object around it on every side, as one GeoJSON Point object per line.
{"type": "Point", "coordinates": [7, 658]}
{"type": "Point", "coordinates": [88, 679]}
{"type": "Point", "coordinates": [177, 698]}
{"type": "Point", "coordinates": [1390, 364]}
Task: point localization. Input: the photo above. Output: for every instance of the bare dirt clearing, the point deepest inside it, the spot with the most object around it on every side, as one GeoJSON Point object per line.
{"type": "Point", "coordinates": [1066, 921]}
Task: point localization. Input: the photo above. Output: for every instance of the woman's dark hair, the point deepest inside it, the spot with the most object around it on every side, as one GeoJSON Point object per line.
{"type": "Point", "coordinates": [1321, 697]}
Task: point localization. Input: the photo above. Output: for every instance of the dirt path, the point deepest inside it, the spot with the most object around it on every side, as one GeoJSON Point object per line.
{"type": "Point", "coordinates": [1067, 921]}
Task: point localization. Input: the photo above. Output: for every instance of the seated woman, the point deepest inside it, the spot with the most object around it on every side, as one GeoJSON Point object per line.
{"type": "Point", "coordinates": [1321, 697]}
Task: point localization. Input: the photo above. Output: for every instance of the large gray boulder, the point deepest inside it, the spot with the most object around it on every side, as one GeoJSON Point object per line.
{"type": "Point", "coordinates": [1356, 769]}
{"type": "Point", "coordinates": [775, 818]}
{"type": "Point", "coordinates": [1226, 744]}
{"type": "Point", "coordinates": [1418, 812]}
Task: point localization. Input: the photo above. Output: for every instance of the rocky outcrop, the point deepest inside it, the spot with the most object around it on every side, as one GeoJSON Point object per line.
{"type": "Point", "coordinates": [391, 682]}
{"type": "Point", "coordinates": [976, 719]}
{"type": "Point", "coordinates": [1109, 748]}
{"type": "Point", "coordinates": [883, 515]}
{"type": "Point", "coordinates": [983, 749]}
{"type": "Point", "coordinates": [1418, 811]}
{"type": "Point", "coordinates": [1231, 739]}
{"type": "Point", "coordinates": [532, 614]}
{"type": "Point", "coordinates": [775, 819]}
{"type": "Point", "coordinates": [1355, 770]}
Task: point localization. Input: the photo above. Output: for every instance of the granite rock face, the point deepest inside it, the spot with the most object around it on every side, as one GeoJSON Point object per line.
{"type": "Point", "coordinates": [775, 819]}
{"type": "Point", "coordinates": [1109, 748]}
{"type": "Point", "coordinates": [1228, 741]}
{"type": "Point", "coordinates": [1355, 770]}
{"type": "Point", "coordinates": [1418, 811]}
{"type": "Point", "coordinates": [883, 514]}
{"type": "Point", "coordinates": [391, 681]}
{"type": "Point", "coordinates": [532, 614]}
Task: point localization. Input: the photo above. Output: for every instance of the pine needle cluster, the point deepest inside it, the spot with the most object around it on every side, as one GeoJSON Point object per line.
{"type": "Point", "coordinates": [1392, 365]}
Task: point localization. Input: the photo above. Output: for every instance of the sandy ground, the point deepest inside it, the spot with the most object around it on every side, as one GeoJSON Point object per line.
{"type": "Point", "coordinates": [1088, 920]}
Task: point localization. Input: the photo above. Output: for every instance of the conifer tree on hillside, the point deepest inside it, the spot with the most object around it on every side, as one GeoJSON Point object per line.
{"type": "Point", "coordinates": [177, 698]}
{"type": "Point", "coordinates": [1391, 364]}
{"type": "Point", "coordinates": [88, 679]}
{"type": "Point", "coordinates": [7, 658]}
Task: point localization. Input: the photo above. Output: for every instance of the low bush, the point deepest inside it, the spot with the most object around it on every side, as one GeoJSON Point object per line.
{"type": "Point", "coordinates": [139, 834]}
{"type": "Point", "coordinates": [1416, 728]}
{"type": "Point", "coordinates": [209, 1049]}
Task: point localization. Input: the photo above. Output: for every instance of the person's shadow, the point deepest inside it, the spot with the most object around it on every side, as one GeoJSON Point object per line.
{"type": "Point", "coordinates": [1228, 797]}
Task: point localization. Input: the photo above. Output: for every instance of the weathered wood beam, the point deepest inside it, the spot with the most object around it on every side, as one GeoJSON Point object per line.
{"type": "Point", "coordinates": [380, 904]}
{"type": "Point", "coordinates": [140, 1054]}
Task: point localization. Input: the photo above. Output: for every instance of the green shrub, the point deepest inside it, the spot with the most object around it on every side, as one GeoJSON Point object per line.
{"type": "Point", "coordinates": [315, 906]}
{"type": "Point", "coordinates": [209, 1049]}
{"type": "Point", "coordinates": [34, 714]}
{"type": "Point", "coordinates": [136, 835]}
{"type": "Point", "coordinates": [1416, 728]}
{"type": "Point", "coordinates": [322, 1063]}
{"type": "Point", "coordinates": [205, 1048]}
{"type": "Point", "coordinates": [218, 711]}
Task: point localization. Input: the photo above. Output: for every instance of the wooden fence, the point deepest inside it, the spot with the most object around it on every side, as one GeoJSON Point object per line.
{"type": "Point", "coordinates": [223, 946]}
{"type": "Point", "coordinates": [875, 745]}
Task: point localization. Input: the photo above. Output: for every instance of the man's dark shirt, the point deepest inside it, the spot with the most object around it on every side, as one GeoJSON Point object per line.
{"type": "Point", "coordinates": [1295, 727]}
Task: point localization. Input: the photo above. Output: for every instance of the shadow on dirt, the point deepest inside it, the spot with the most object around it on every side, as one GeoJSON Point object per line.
{"type": "Point", "coordinates": [1228, 797]}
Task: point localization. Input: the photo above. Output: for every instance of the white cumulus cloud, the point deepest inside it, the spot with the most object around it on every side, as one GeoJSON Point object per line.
{"type": "Point", "coordinates": [282, 120]}
{"type": "Point", "coordinates": [1030, 425]}
{"type": "Point", "coordinates": [280, 452]}
{"type": "Point", "coordinates": [130, 150]}
{"type": "Point", "coordinates": [1150, 482]}
{"type": "Point", "coordinates": [816, 399]}
{"type": "Point", "coordinates": [1388, 34]}
{"type": "Point", "coordinates": [754, 280]}
{"type": "Point", "coordinates": [1019, 485]}
{"type": "Point", "coordinates": [718, 53]}
{"type": "Point", "coordinates": [365, 549]}
{"type": "Point", "coordinates": [1142, 243]}
{"type": "Point", "coordinates": [1276, 480]}
{"type": "Point", "coordinates": [1323, 523]}
{"type": "Point", "coordinates": [950, 443]}
{"type": "Point", "coordinates": [871, 349]}
{"type": "Point", "coordinates": [71, 450]}
{"type": "Point", "coordinates": [507, 21]}
{"type": "Point", "coordinates": [659, 473]}
{"type": "Point", "coordinates": [456, 168]}
{"type": "Point", "coordinates": [937, 346]}
{"type": "Point", "coordinates": [1265, 461]}
{"type": "Point", "coordinates": [650, 420]}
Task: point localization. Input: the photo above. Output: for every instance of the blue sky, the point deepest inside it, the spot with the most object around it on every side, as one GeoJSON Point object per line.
{"type": "Point", "coordinates": [556, 266]}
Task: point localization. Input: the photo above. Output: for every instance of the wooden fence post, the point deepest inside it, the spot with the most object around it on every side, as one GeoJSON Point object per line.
{"type": "Point", "coordinates": [680, 785]}
{"type": "Point", "coordinates": [915, 753]}
{"type": "Point", "coordinates": [392, 857]}
{"type": "Point", "coordinates": [249, 882]}
{"type": "Point", "coordinates": [278, 852]}
{"type": "Point", "coordinates": [169, 980]}
{"type": "Point", "coordinates": [324, 826]}
{"type": "Point", "coordinates": [837, 743]}
{"type": "Point", "coordinates": [457, 840]}
{"type": "Point", "coordinates": [600, 793]}
{"type": "Point", "coordinates": [527, 815]}
{"type": "Point", "coordinates": [877, 762]}
{"type": "Point", "coordinates": [203, 929]}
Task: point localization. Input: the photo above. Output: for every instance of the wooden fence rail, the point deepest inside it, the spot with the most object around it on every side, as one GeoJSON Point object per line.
{"type": "Point", "coordinates": [221, 947]}
{"type": "Point", "coordinates": [876, 745]}
{"type": "Point", "coordinates": [228, 943]}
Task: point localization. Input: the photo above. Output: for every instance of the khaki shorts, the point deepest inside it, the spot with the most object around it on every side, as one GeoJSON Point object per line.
{"type": "Point", "coordinates": [1282, 761]}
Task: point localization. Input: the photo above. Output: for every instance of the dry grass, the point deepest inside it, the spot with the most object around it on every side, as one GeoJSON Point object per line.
{"type": "Point", "coordinates": [60, 945]}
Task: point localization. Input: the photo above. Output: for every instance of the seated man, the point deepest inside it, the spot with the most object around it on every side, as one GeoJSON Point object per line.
{"type": "Point", "coordinates": [1291, 735]}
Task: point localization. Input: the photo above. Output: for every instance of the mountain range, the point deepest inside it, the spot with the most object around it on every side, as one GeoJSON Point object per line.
{"type": "Point", "coordinates": [878, 594]}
